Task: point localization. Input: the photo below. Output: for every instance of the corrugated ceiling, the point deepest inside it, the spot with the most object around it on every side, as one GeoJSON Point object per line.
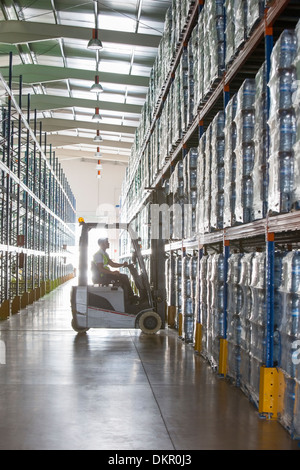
{"type": "Point", "coordinates": [49, 40]}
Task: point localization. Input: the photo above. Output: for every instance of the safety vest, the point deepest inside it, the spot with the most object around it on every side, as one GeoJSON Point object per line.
{"type": "Point", "coordinates": [105, 260]}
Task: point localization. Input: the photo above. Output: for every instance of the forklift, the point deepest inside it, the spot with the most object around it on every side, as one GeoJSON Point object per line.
{"type": "Point", "coordinates": [104, 305]}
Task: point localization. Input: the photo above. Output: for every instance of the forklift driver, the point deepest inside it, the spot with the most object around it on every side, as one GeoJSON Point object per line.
{"type": "Point", "coordinates": [103, 275]}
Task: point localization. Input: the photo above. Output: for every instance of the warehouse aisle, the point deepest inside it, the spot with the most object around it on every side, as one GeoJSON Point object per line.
{"type": "Point", "coordinates": [116, 390]}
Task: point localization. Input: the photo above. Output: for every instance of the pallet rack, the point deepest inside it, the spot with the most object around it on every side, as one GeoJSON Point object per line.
{"type": "Point", "coordinates": [37, 207]}
{"type": "Point", "coordinates": [266, 234]}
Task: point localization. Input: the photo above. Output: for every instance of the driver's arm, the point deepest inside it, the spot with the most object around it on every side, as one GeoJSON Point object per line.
{"type": "Point", "coordinates": [117, 265]}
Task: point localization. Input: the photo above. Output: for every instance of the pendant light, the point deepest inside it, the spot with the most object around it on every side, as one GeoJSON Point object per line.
{"type": "Point", "coordinates": [98, 137]}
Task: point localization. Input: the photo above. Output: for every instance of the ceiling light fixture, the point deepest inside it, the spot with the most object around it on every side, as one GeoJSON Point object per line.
{"type": "Point", "coordinates": [96, 116]}
{"type": "Point", "coordinates": [95, 43]}
{"type": "Point", "coordinates": [98, 137]}
{"type": "Point", "coordinates": [99, 166]}
{"type": "Point", "coordinates": [98, 154]}
{"type": "Point", "coordinates": [96, 87]}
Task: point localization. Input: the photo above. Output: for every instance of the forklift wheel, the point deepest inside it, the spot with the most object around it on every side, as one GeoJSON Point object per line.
{"type": "Point", "coordinates": [77, 329]}
{"type": "Point", "coordinates": [150, 322]}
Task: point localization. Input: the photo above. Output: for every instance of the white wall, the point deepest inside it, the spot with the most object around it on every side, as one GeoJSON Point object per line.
{"type": "Point", "coordinates": [91, 192]}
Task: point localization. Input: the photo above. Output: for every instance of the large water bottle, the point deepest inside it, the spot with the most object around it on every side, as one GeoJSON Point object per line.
{"type": "Point", "coordinates": [221, 55]}
{"type": "Point", "coordinates": [221, 177]}
{"type": "Point", "coordinates": [294, 315]}
{"type": "Point", "coordinates": [220, 309]}
{"type": "Point", "coordinates": [187, 287]}
{"type": "Point", "coordinates": [247, 199]}
{"type": "Point", "coordinates": [238, 300]}
{"type": "Point", "coordinates": [180, 168]}
{"type": "Point", "coordinates": [220, 28]}
{"type": "Point", "coordinates": [185, 59]}
{"type": "Point", "coordinates": [233, 167]}
{"type": "Point", "coordinates": [286, 181]}
{"type": "Point", "coordinates": [220, 123]}
{"type": "Point", "coordinates": [219, 7]}
{"type": "Point", "coordinates": [288, 47]}
{"type": "Point", "coordinates": [296, 272]}
{"type": "Point", "coordinates": [193, 179]}
{"type": "Point", "coordinates": [189, 306]}
{"type": "Point", "coordinates": [233, 135]}
{"type": "Point", "coordinates": [188, 328]}
{"type": "Point", "coordinates": [193, 198]}
{"type": "Point", "coordinates": [285, 89]}
{"type": "Point", "coordinates": [287, 130]}
{"type": "Point", "coordinates": [194, 267]}
{"type": "Point", "coordinates": [248, 97]}
{"type": "Point", "coordinates": [220, 150]}
{"type": "Point", "coordinates": [232, 198]}
{"type": "Point", "coordinates": [193, 154]}
{"type": "Point", "coordinates": [278, 269]}
{"type": "Point", "coordinates": [220, 268]}
{"type": "Point", "coordinates": [220, 210]}
{"type": "Point", "coordinates": [248, 159]}
{"type": "Point", "coordinates": [248, 127]}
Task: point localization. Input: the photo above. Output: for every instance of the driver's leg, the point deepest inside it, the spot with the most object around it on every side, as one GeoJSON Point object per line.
{"type": "Point", "coordinates": [124, 282]}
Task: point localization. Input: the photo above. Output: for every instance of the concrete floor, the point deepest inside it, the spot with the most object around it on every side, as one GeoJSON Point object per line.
{"type": "Point", "coordinates": [116, 390]}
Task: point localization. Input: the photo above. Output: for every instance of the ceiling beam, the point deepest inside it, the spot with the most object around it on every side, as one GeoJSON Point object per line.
{"type": "Point", "coordinates": [55, 125]}
{"type": "Point", "coordinates": [50, 102]}
{"type": "Point", "coordinates": [32, 73]}
{"type": "Point", "coordinates": [73, 154]}
{"type": "Point", "coordinates": [20, 32]}
{"type": "Point", "coordinates": [58, 140]}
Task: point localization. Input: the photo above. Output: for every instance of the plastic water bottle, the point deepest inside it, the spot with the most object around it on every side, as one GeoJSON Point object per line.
{"type": "Point", "coordinates": [286, 181]}
{"type": "Point", "coordinates": [193, 154]}
{"type": "Point", "coordinates": [233, 135]}
{"type": "Point", "coordinates": [221, 177]}
{"type": "Point", "coordinates": [219, 5]}
{"type": "Point", "coordinates": [220, 150]}
{"type": "Point", "coordinates": [189, 306]}
{"type": "Point", "coordinates": [180, 170]}
{"type": "Point", "coordinates": [296, 271]}
{"type": "Point", "coordinates": [248, 159]}
{"type": "Point", "coordinates": [220, 210]}
{"type": "Point", "coordinates": [247, 199]}
{"type": "Point", "coordinates": [220, 123]}
{"type": "Point", "coordinates": [239, 299]}
{"type": "Point", "coordinates": [295, 314]}
{"type": "Point", "coordinates": [278, 269]}
{"type": "Point", "coordinates": [220, 28]}
{"type": "Point", "coordinates": [233, 167]}
{"type": "Point", "coordinates": [188, 328]}
{"type": "Point", "coordinates": [221, 55]}
{"type": "Point", "coordinates": [285, 90]}
{"type": "Point", "coordinates": [193, 179]}
{"type": "Point", "coordinates": [194, 267]}
{"type": "Point", "coordinates": [287, 130]}
{"type": "Point", "coordinates": [221, 268]}
{"type": "Point", "coordinates": [288, 46]}
{"type": "Point", "coordinates": [194, 198]}
{"type": "Point", "coordinates": [232, 198]}
{"type": "Point", "coordinates": [188, 291]}
{"type": "Point", "coordinates": [248, 127]}
{"type": "Point", "coordinates": [248, 88]}
{"type": "Point", "coordinates": [248, 192]}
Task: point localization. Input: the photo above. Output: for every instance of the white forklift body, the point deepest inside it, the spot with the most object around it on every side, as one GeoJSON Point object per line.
{"type": "Point", "coordinates": [103, 306]}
